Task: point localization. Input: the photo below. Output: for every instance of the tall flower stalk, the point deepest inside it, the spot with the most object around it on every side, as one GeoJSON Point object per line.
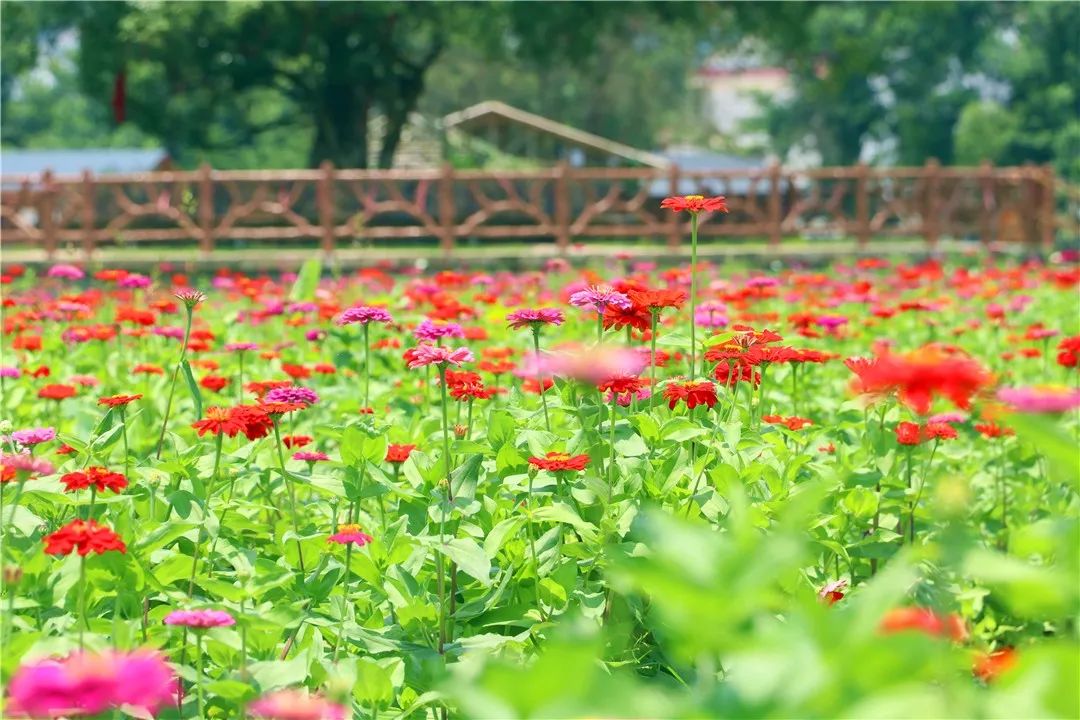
{"type": "Point", "coordinates": [694, 204]}
{"type": "Point", "coordinates": [190, 298]}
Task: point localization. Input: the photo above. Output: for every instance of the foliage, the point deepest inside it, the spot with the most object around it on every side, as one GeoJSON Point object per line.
{"type": "Point", "coordinates": [678, 575]}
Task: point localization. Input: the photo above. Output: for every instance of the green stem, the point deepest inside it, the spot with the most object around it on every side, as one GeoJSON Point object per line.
{"type": "Point", "coordinates": [540, 376]}
{"type": "Point", "coordinates": [532, 551]}
{"type": "Point", "coordinates": [345, 603]}
{"type": "Point", "coordinates": [172, 385]}
{"type": "Point", "coordinates": [292, 496]}
{"type": "Point", "coordinates": [367, 367]}
{"type": "Point", "coordinates": [240, 381]}
{"type": "Point", "coordinates": [123, 432]}
{"type": "Point", "coordinates": [599, 328]}
{"type": "Point", "coordinates": [85, 621]}
{"type": "Point", "coordinates": [693, 294]}
{"type": "Point", "coordinates": [611, 439]}
{"type": "Point", "coordinates": [654, 313]}
{"type": "Point", "coordinates": [199, 673]}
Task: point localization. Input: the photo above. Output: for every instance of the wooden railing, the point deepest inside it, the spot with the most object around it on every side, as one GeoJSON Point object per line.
{"type": "Point", "coordinates": [560, 204]}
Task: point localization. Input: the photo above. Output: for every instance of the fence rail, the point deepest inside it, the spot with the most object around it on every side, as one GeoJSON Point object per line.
{"type": "Point", "coordinates": [560, 204]}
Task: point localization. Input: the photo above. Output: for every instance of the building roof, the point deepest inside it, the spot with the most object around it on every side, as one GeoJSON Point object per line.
{"type": "Point", "coordinates": [495, 108]}
{"type": "Point", "coordinates": [100, 161]}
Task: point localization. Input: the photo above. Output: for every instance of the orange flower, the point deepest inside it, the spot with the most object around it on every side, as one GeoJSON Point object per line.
{"type": "Point", "coordinates": [923, 620]}
{"type": "Point", "coordinates": [695, 203]}
{"type": "Point", "coordinates": [557, 461]}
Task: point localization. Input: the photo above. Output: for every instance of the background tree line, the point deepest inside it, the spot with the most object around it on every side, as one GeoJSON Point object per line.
{"type": "Point", "coordinates": [279, 84]}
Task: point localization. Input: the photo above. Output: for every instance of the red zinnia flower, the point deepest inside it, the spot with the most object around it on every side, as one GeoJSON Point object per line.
{"type": "Point", "coordinates": [218, 421]}
{"type": "Point", "coordinates": [939, 431]}
{"type": "Point", "coordinates": [255, 421]}
{"type": "Point", "coordinates": [56, 392]}
{"type": "Point", "coordinates": [557, 461]}
{"type": "Point", "coordinates": [99, 477]}
{"type": "Point", "coordinates": [280, 408]}
{"type": "Point", "coordinates": [656, 299]}
{"type": "Point", "coordinates": [988, 666]}
{"type": "Point", "coordinates": [692, 393]}
{"type": "Point", "coordinates": [923, 620]}
{"type": "Point", "coordinates": [295, 441]}
{"type": "Point", "coordinates": [214, 382]}
{"type": "Point", "coordinates": [118, 400]}
{"type": "Point", "coordinates": [621, 384]}
{"type": "Point", "coordinates": [695, 203]}
{"type": "Point", "coordinates": [919, 376]}
{"type": "Point", "coordinates": [908, 433]}
{"type": "Point", "coordinates": [398, 453]}
{"type": "Point", "coordinates": [85, 536]}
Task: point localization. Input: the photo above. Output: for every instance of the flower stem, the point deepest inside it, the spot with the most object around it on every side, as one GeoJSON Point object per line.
{"type": "Point", "coordinates": [540, 376]}
{"type": "Point", "coordinates": [85, 624]}
{"type": "Point", "coordinates": [292, 496]}
{"type": "Point", "coordinates": [654, 313]}
{"type": "Point", "coordinates": [611, 438]}
{"type": "Point", "coordinates": [123, 433]}
{"type": "Point", "coordinates": [172, 386]}
{"type": "Point", "coordinates": [693, 294]}
{"type": "Point", "coordinates": [367, 367]}
{"type": "Point", "coordinates": [345, 599]}
{"type": "Point", "coordinates": [199, 672]}
{"type": "Point", "coordinates": [532, 551]}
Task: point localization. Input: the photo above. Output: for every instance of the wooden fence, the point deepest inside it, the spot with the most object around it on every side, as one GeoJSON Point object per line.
{"type": "Point", "coordinates": [559, 204]}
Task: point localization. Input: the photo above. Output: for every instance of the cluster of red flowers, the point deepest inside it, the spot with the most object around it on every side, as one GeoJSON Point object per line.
{"type": "Point", "coordinates": [909, 433]}
{"type": "Point", "coordinates": [254, 421]}
{"type": "Point", "coordinates": [466, 385]}
{"type": "Point", "coordinates": [84, 536]}
{"type": "Point", "coordinates": [1069, 352]}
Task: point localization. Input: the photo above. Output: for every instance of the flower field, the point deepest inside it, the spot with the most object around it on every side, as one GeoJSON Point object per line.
{"type": "Point", "coordinates": [622, 491]}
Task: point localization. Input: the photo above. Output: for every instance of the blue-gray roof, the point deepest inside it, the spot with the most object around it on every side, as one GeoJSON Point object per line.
{"type": "Point", "coordinates": [697, 160]}
{"type": "Point", "coordinates": [100, 161]}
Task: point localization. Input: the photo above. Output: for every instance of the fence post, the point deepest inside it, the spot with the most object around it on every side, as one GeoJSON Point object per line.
{"type": "Point", "coordinates": [46, 220]}
{"type": "Point", "coordinates": [988, 204]}
{"type": "Point", "coordinates": [674, 236]}
{"type": "Point", "coordinates": [206, 210]}
{"type": "Point", "coordinates": [1046, 219]}
{"type": "Point", "coordinates": [446, 209]}
{"type": "Point", "coordinates": [324, 200]}
{"type": "Point", "coordinates": [88, 213]}
{"type": "Point", "coordinates": [562, 207]}
{"type": "Point", "coordinates": [862, 204]}
{"type": "Point", "coordinates": [932, 179]}
{"type": "Point", "coordinates": [776, 217]}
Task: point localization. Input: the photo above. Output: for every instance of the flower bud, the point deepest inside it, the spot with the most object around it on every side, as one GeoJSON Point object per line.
{"type": "Point", "coordinates": [12, 575]}
{"type": "Point", "coordinates": [6, 426]}
{"type": "Point", "coordinates": [460, 431]}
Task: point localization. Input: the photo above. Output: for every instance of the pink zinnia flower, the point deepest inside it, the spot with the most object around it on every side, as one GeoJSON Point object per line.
{"type": "Point", "coordinates": [241, 346]}
{"type": "Point", "coordinates": [134, 281]}
{"type": "Point", "coordinates": [200, 618]}
{"type": "Point", "coordinates": [310, 456]}
{"type": "Point", "coordinates": [33, 436]}
{"type": "Point", "coordinates": [292, 394]}
{"type": "Point", "coordinates": [599, 298]}
{"type": "Point", "coordinates": [1041, 399]}
{"type": "Point", "coordinates": [535, 317]}
{"type": "Point", "coordinates": [951, 417]}
{"type": "Point", "coordinates": [6, 371]}
{"type": "Point", "coordinates": [349, 534]}
{"type": "Point", "coordinates": [429, 331]}
{"type": "Point", "coordinates": [423, 355]}
{"type": "Point", "coordinates": [589, 365]}
{"type": "Point", "coordinates": [89, 684]}
{"type": "Point", "coordinates": [296, 705]}
{"type": "Point", "coordinates": [27, 463]}
{"type": "Point", "coordinates": [363, 314]}
{"type": "Point", "coordinates": [66, 272]}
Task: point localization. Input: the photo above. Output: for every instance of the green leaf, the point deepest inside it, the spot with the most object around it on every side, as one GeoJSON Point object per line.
{"type": "Point", "coordinates": [373, 686]}
{"type": "Point", "coordinates": [273, 674]}
{"type": "Point", "coordinates": [193, 386]}
{"type": "Point", "coordinates": [469, 556]}
{"type": "Point", "coordinates": [307, 280]}
{"type": "Point", "coordinates": [1054, 441]}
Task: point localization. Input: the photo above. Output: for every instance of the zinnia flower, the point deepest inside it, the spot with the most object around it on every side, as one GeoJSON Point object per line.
{"type": "Point", "coordinates": [56, 392]}
{"type": "Point", "coordinates": [26, 463]}
{"type": "Point", "coordinates": [695, 203]}
{"type": "Point", "coordinates": [535, 317]}
{"type": "Point", "coordinates": [908, 433]}
{"type": "Point", "coordinates": [90, 684]}
{"type": "Point", "coordinates": [311, 457]}
{"type": "Point", "coordinates": [118, 400]}
{"type": "Point", "coordinates": [920, 376]}
{"type": "Point", "coordinates": [34, 436]}
{"type": "Point", "coordinates": [98, 477]}
{"type": "Point", "coordinates": [692, 393]}
{"type": "Point", "coordinates": [423, 355]}
{"type": "Point", "coordinates": [66, 272]}
{"type": "Point", "coordinates": [350, 534]}
{"type": "Point", "coordinates": [218, 421]}
{"type": "Point", "coordinates": [398, 453]}
{"type": "Point", "coordinates": [833, 592]}
{"type": "Point", "coordinates": [428, 331]}
{"type": "Point", "coordinates": [1041, 399]}
{"type": "Point", "coordinates": [363, 314]}
{"type": "Point", "coordinates": [600, 298]}
{"type": "Point", "coordinates": [296, 705]}
{"type": "Point", "coordinates": [560, 462]}
{"type": "Point", "coordinates": [292, 394]}
{"type": "Point", "coordinates": [200, 618]}
{"type": "Point", "coordinates": [923, 620]}
{"type": "Point", "coordinates": [86, 536]}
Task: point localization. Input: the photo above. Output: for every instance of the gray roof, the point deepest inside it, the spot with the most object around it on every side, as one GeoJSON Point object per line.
{"type": "Point", "coordinates": [100, 161]}
{"type": "Point", "coordinates": [694, 159]}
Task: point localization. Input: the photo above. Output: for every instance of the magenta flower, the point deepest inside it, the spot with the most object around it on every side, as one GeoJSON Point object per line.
{"type": "Point", "coordinates": [66, 272]}
{"type": "Point", "coordinates": [314, 335]}
{"type": "Point", "coordinates": [27, 463]}
{"type": "Point", "coordinates": [760, 281]}
{"type": "Point", "coordinates": [1041, 399]}
{"type": "Point", "coordinates": [33, 436]}
{"type": "Point", "coordinates": [590, 365]}
{"type": "Point", "coordinates": [423, 355]}
{"type": "Point", "coordinates": [134, 281]}
{"type": "Point", "coordinates": [363, 315]}
{"type": "Point", "coordinates": [599, 298]}
{"type": "Point", "coordinates": [241, 346]}
{"type": "Point", "coordinates": [301, 307]}
{"type": "Point", "coordinates": [7, 371]}
{"type": "Point", "coordinates": [429, 331]}
{"type": "Point", "coordinates": [310, 456]}
{"type": "Point", "coordinates": [350, 534]}
{"type": "Point", "coordinates": [292, 394]}
{"type": "Point", "coordinates": [88, 684]}
{"type": "Point", "coordinates": [831, 322]}
{"type": "Point", "coordinates": [200, 618]}
{"type": "Point", "coordinates": [176, 333]}
{"type": "Point", "coordinates": [950, 417]}
{"type": "Point", "coordinates": [535, 317]}
{"type": "Point", "coordinates": [711, 314]}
